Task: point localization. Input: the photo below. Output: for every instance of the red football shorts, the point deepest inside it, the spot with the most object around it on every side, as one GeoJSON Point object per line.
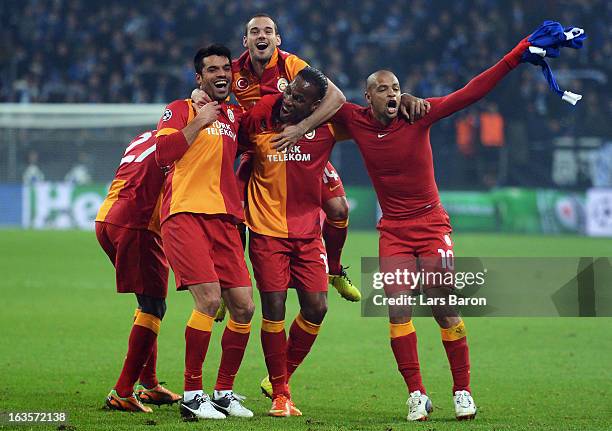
{"type": "Point", "coordinates": [420, 244]}
{"type": "Point", "coordinates": [331, 187]}
{"type": "Point", "coordinates": [281, 263]}
{"type": "Point", "coordinates": [138, 257]}
{"type": "Point", "coordinates": [204, 248]}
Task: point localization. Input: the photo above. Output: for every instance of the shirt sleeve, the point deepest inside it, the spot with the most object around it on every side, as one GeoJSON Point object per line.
{"type": "Point", "coordinates": [244, 130]}
{"type": "Point", "coordinates": [476, 89]}
{"type": "Point", "coordinates": [340, 132]}
{"type": "Point", "coordinates": [293, 65]}
{"type": "Point", "coordinates": [343, 116]}
{"type": "Point", "coordinates": [176, 116]}
{"type": "Point", "coordinates": [171, 144]}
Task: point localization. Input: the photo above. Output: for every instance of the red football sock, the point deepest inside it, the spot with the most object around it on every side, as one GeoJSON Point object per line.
{"type": "Point", "coordinates": [274, 344]}
{"type": "Point", "coordinates": [404, 345]}
{"type": "Point", "coordinates": [141, 341]}
{"type": "Point", "coordinates": [197, 337]}
{"type": "Point", "coordinates": [301, 337]}
{"type": "Point", "coordinates": [148, 375]}
{"type": "Point", "coordinates": [458, 354]}
{"type": "Point", "coordinates": [233, 343]}
{"type": "Point", "coordinates": [334, 235]}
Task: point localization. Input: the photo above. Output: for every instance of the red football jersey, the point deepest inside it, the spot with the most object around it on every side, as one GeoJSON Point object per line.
{"type": "Point", "coordinates": [398, 156]}
{"type": "Point", "coordinates": [134, 195]}
{"type": "Point", "coordinates": [284, 194]}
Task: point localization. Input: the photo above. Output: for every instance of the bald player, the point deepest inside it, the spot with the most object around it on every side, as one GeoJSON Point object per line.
{"type": "Point", "coordinates": [415, 231]}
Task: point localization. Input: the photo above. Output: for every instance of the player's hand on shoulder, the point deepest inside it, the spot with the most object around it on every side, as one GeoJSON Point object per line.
{"type": "Point", "coordinates": [288, 137]}
{"type": "Point", "coordinates": [414, 108]}
{"type": "Point", "coordinates": [200, 98]}
{"type": "Point", "coordinates": [208, 114]}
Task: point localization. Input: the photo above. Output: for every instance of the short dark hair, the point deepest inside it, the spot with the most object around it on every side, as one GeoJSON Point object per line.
{"type": "Point", "coordinates": [214, 49]}
{"type": "Point", "coordinates": [314, 77]}
{"type": "Point", "coordinates": [260, 15]}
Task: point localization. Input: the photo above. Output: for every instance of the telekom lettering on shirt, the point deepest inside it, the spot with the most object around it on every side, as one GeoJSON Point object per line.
{"type": "Point", "coordinates": [220, 129]}
{"type": "Point", "coordinates": [292, 155]}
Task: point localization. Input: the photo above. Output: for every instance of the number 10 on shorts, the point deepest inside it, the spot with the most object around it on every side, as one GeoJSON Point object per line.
{"type": "Point", "coordinates": [324, 258]}
{"type": "Point", "coordinates": [448, 258]}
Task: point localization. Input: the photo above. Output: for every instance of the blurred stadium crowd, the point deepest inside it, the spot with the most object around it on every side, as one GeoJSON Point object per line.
{"type": "Point", "coordinates": [141, 52]}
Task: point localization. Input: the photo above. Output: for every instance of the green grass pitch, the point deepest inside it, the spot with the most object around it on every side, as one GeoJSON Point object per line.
{"type": "Point", "coordinates": [64, 335]}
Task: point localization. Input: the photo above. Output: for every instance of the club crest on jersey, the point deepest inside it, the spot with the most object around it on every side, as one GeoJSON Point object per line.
{"type": "Point", "coordinates": [230, 115]}
{"type": "Point", "coordinates": [310, 135]}
{"type": "Point", "coordinates": [242, 84]}
{"type": "Point", "coordinates": [167, 115]}
{"type": "Point", "coordinates": [281, 84]}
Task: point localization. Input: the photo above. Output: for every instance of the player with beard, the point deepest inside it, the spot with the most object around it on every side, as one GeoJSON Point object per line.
{"type": "Point", "coordinates": [415, 228]}
{"type": "Point", "coordinates": [282, 212]}
{"type": "Point", "coordinates": [199, 213]}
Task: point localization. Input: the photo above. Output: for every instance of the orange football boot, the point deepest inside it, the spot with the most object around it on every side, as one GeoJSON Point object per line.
{"type": "Point", "coordinates": [281, 407]}
{"type": "Point", "coordinates": [127, 404]}
{"type": "Point", "coordinates": [294, 410]}
{"type": "Point", "coordinates": [157, 395]}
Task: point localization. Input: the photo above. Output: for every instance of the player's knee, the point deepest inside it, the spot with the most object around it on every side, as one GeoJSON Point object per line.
{"type": "Point", "coordinates": [154, 306]}
{"type": "Point", "coordinates": [243, 313]}
{"type": "Point", "coordinates": [273, 306]}
{"type": "Point", "coordinates": [207, 305]}
{"type": "Point", "coordinates": [337, 208]}
{"type": "Point", "coordinates": [315, 313]}
{"type": "Point", "coordinates": [206, 297]}
{"type": "Point", "coordinates": [447, 321]}
{"type": "Point", "coordinates": [211, 305]}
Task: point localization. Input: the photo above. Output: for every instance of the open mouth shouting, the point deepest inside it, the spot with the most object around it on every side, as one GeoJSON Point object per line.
{"type": "Point", "coordinates": [221, 84]}
{"type": "Point", "coordinates": [262, 46]}
{"type": "Point", "coordinates": [285, 111]}
{"type": "Point", "coordinates": [392, 107]}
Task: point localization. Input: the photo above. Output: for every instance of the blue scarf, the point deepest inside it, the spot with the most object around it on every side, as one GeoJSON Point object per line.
{"type": "Point", "coordinates": [546, 41]}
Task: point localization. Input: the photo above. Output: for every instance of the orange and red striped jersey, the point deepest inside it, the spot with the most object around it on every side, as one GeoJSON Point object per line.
{"type": "Point", "coordinates": [134, 195]}
{"type": "Point", "coordinates": [284, 193]}
{"type": "Point", "coordinates": [201, 180]}
{"type": "Point", "coordinates": [249, 88]}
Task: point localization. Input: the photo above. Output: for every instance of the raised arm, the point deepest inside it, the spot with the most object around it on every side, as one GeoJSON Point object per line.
{"type": "Point", "coordinates": [477, 88]}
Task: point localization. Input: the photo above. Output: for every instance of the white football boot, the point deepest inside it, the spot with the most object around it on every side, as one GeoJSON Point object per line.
{"type": "Point", "coordinates": [465, 409]}
{"type": "Point", "coordinates": [231, 404]}
{"type": "Point", "coordinates": [200, 408]}
{"type": "Point", "coordinates": [419, 406]}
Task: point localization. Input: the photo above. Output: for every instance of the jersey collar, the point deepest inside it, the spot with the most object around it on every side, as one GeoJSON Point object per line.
{"type": "Point", "coordinates": [248, 65]}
